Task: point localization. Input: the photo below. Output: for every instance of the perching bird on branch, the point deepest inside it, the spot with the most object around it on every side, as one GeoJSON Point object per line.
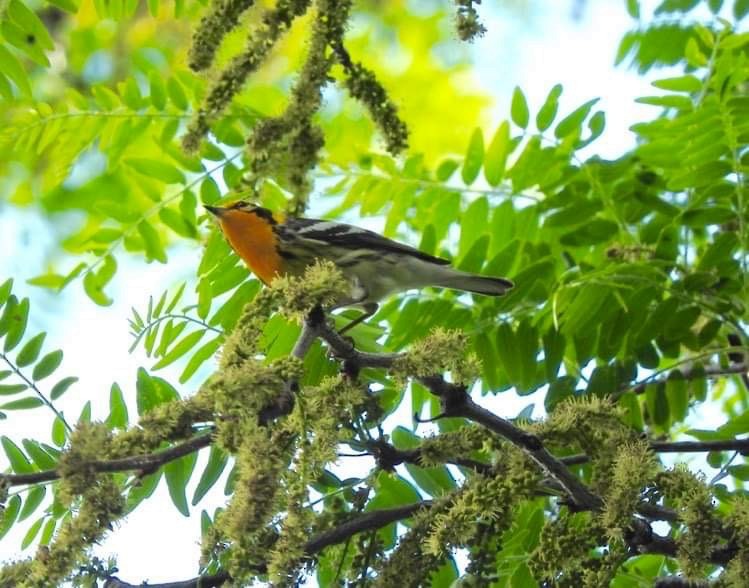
{"type": "Point", "coordinates": [272, 245]}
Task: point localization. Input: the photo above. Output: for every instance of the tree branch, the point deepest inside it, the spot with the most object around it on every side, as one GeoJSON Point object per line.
{"type": "Point", "coordinates": [148, 462]}
{"type": "Point", "coordinates": [690, 373]}
{"type": "Point", "coordinates": [456, 402]}
{"type": "Point", "coordinates": [363, 522]}
{"type": "Point", "coordinates": [283, 404]}
{"type": "Point", "coordinates": [581, 496]}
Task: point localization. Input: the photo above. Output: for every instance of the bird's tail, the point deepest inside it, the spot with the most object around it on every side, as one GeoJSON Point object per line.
{"type": "Point", "coordinates": [486, 285]}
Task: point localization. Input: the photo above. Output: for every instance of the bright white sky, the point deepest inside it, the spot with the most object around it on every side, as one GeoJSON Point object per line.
{"type": "Point", "coordinates": [536, 50]}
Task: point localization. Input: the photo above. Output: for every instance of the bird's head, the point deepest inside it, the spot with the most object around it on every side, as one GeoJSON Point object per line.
{"type": "Point", "coordinates": [242, 212]}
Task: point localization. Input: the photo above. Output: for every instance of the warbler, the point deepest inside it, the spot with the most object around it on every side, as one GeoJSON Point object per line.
{"type": "Point", "coordinates": [273, 245]}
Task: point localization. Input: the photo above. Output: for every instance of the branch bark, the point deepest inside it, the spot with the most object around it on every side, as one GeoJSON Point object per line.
{"type": "Point", "coordinates": [691, 373]}
{"type": "Point", "coordinates": [363, 522]}
{"type": "Point", "coordinates": [456, 402]}
{"type": "Point", "coordinates": [148, 462]}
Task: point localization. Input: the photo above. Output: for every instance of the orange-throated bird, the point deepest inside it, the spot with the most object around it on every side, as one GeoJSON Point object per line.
{"type": "Point", "coordinates": [272, 245]}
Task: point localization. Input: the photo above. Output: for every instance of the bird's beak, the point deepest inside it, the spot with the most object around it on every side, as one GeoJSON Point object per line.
{"type": "Point", "coordinates": [215, 210]}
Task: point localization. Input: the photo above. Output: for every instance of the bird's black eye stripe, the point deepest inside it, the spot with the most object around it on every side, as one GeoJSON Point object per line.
{"type": "Point", "coordinates": [265, 214]}
{"type": "Point", "coordinates": [239, 204]}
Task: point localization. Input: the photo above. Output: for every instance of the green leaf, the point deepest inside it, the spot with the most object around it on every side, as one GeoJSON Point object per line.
{"type": "Point", "coordinates": [85, 416]}
{"type": "Point", "coordinates": [687, 83]}
{"type": "Point", "coordinates": [217, 461]}
{"type": "Point", "coordinates": [677, 392]}
{"type": "Point", "coordinates": [445, 169]}
{"type": "Point", "coordinates": [200, 357]}
{"type": "Point", "coordinates": [473, 223]}
{"type": "Point", "coordinates": [157, 169]}
{"type": "Point", "coordinates": [17, 323]}
{"type": "Point", "coordinates": [9, 514]}
{"type": "Point", "coordinates": [151, 391]}
{"type": "Point", "coordinates": [554, 344]}
{"type": "Point", "coordinates": [205, 523]}
{"type": "Point", "coordinates": [633, 8]}
{"type": "Point", "coordinates": [573, 121]}
{"type": "Point", "coordinates": [143, 490]}
{"type": "Point", "coordinates": [740, 9]}
{"type": "Point", "coordinates": [62, 386]}
{"type": "Point", "coordinates": [23, 404]}
{"type": "Point", "coordinates": [52, 281]}
{"type": "Point", "coordinates": [694, 55]}
{"type": "Point", "coordinates": [177, 94]}
{"type": "Point", "coordinates": [118, 417]}
{"type": "Point", "coordinates": [175, 298]}
{"type": "Point", "coordinates": [185, 345]}
{"type": "Point", "coordinates": [548, 111]}
{"type": "Point", "coordinates": [17, 459]}
{"type": "Point", "coordinates": [41, 459]}
{"type": "Point", "coordinates": [576, 213]}
{"type": "Point", "coordinates": [436, 481]}
{"type": "Point", "coordinates": [657, 403]}
{"type": "Point", "coordinates": [31, 24]}
{"type": "Point", "coordinates": [12, 68]}
{"type": "Point", "coordinates": [598, 230]}
{"type": "Point", "coordinates": [33, 500]}
{"type": "Point", "coordinates": [95, 290]}
{"type": "Point", "coordinates": [157, 92]}
{"type": "Point", "coordinates": [8, 389]}
{"type": "Point", "coordinates": [474, 258]}
{"type": "Point", "coordinates": [154, 247]}
{"type": "Point", "coordinates": [209, 191]}
{"type": "Point", "coordinates": [703, 216]}
{"type": "Point", "coordinates": [496, 155]}
{"type": "Point", "coordinates": [205, 297]}
{"type": "Point", "coordinates": [596, 124]}
{"type": "Point", "coordinates": [177, 474]}
{"type": "Point", "coordinates": [523, 576]}
{"type": "Point", "coordinates": [519, 108]}
{"type": "Point", "coordinates": [31, 534]}
{"type": "Point", "coordinates": [6, 319]}
{"type": "Point", "coordinates": [59, 435]}
{"type": "Point", "coordinates": [48, 364]}
{"type": "Point", "coordinates": [175, 221]}
{"type": "Point", "coordinates": [474, 158]}
{"type": "Point", "coordinates": [47, 532]}
{"type": "Point", "coordinates": [5, 289]}
{"type": "Point", "coordinates": [559, 389]}
{"type": "Point", "coordinates": [445, 576]}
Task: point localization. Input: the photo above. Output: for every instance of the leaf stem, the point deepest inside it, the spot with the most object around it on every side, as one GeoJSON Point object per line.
{"type": "Point", "coordinates": [32, 385]}
{"type": "Point", "coordinates": [186, 318]}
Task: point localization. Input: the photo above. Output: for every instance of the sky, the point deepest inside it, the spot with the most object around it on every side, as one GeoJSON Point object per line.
{"type": "Point", "coordinates": [534, 48]}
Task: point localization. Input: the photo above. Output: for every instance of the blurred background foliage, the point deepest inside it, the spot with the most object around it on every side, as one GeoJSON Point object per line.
{"type": "Point", "coordinates": [630, 272]}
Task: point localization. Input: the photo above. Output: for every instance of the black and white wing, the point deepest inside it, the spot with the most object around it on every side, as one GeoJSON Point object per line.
{"type": "Point", "coordinates": [351, 238]}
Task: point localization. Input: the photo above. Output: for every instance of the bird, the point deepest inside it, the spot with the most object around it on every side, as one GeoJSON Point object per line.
{"type": "Point", "coordinates": [273, 245]}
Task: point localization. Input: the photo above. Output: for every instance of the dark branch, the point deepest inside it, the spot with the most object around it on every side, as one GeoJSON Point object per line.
{"type": "Point", "coordinates": [363, 522]}
{"type": "Point", "coordinates": [740, 445]}
{"type": "Point", "coordinates": [582, 497]}
{"type": "Point", "coordinates": [457, 403]}
{"type": "Point", "coordinates": [283, 404]}
{"type": "Point", "coordinates": [199, 582]}
{"type": "Point", "coordinates": [690, 373]}
{"type": "Point", "coordinates": [148, 462]}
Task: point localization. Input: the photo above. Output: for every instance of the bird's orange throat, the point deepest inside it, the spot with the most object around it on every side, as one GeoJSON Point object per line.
{"type": "Point", "coordinates": [254, 241]}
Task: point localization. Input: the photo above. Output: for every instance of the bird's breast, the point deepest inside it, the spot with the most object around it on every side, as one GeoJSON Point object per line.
{"type": "Point", "coordinates": [256, 243]}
